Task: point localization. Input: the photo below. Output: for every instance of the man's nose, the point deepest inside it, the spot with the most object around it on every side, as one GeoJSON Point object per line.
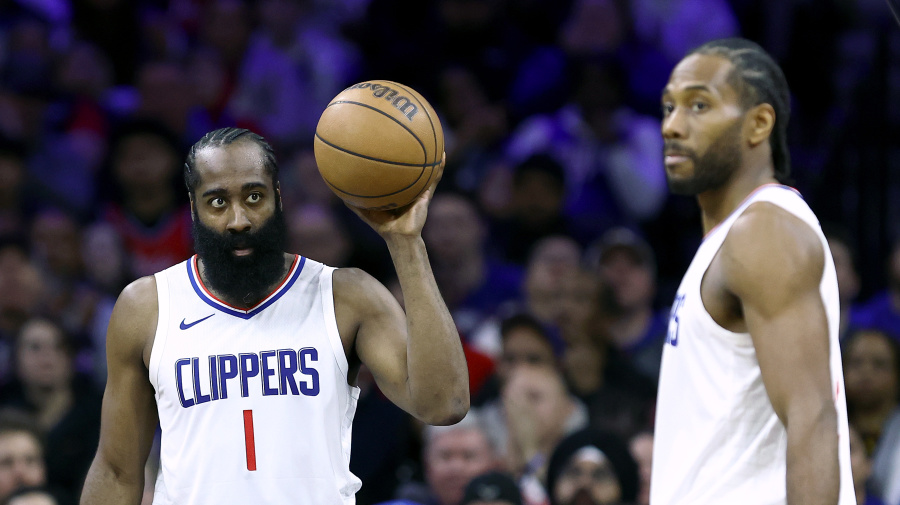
{"type": "Point", "coordinates": [238, 220]}
{"type": "Point", "coordinates": [674, 125]}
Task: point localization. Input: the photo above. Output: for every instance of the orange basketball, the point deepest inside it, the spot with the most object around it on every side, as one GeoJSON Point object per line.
{"type": "Point", "coordinates": [378, 144]}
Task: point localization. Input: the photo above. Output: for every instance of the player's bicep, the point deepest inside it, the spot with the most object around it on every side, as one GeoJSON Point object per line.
{"type": "Point", "coordinates": [381, 332]}
{"type": "Point", "coordinates": [774, 264]}
{"type": "Point", "coordinates": [128, 416]}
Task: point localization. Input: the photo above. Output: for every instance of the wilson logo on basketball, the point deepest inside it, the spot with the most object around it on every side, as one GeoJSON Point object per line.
{"type": "Point", "coordinates": [402, 103]}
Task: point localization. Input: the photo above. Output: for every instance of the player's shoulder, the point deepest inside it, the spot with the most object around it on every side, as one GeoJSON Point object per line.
{"type": "Point", "coordinates": [134, 318]}
{"type": "Point", "coordinates": [357, 289]}
{"type": "Point", "coordinates": [769, 243]}
{"type": "Point", "coordinates": [767, 226]}
{"type": "Point", "coordinates": [351, 282]}
{"type": "Point", "coordinates": [139, 292]}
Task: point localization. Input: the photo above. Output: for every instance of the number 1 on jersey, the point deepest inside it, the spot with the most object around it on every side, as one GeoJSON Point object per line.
{"type": "Point", "coordinates": [248, 440]}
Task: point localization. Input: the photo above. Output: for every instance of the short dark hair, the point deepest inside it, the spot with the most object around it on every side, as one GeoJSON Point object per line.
{"type": "Point", "coordinates": [525, 320]}
{"type": "Point", "coordinates": [13, 420]}
{"type": "Point", "coordinates": [223, 137]}
{"type": "Point", "coordinates": [758, 79]}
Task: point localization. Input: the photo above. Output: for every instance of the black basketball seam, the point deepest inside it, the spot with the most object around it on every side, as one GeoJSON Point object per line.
{"type": "Point", "coordinates": [392, 118]}
{"type": "Point", "coordinates": [437, 155]}
{"type": "Point", "coordinates": [413, 183]}
{"type": "Point", "coordinates": [399, 163]}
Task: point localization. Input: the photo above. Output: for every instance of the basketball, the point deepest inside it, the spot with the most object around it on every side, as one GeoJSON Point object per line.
{"type": "Point", "coordinates": [378, 144]}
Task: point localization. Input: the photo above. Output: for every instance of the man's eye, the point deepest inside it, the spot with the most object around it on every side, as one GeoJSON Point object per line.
{"type": "Point", "coordinates": [217, 202]}
{"type": "Point", "coordinates": [699, 106]}
{"type": "Point", "coordinates": [254, 198]}
{"type": "Point", "coordinates": [667, 109]}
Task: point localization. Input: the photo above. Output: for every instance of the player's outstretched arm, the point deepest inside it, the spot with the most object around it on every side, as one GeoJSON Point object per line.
{"type": "Point", "coordinates": [129, 415]}
{"type": "Point", "coordinates": [417, 357]}
{"type": "Point", "coordinates": [773, 262]}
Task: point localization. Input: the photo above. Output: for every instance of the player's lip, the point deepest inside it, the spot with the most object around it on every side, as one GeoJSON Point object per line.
{"type": "Point", "coordinates": [242, 251]}
{"type": "Point", "coordinates": [675, 157]}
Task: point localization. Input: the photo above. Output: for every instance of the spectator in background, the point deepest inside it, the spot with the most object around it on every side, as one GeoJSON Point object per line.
{"type": "Point", "coordinates": [617, 396]}
{"type": "Point", "coordinates": [147, 204]}
{"type": "Point", "coordinates": [452, 456]}
{"type": "Point", "coordinates": [65, 405]}
{"type": "Point", "coordinates": [844, 257]}
{"type": "Point", "coordinates": [21, 454]}
{"type": "Point", "coordinates": [475, 127]}
{"type": "Point", "coordinates": [60, 173]}
{"type": "Point", "coordinates": [107, 271]}
{"type": "Point", "coordinates": [473, 284]}
{"type": "Point", "coordinates": [525, 341]}
{"type": "Point", "coordinates": [872, 379]}
{"type": "Point", "coordinates": [550, 263]}
{"type": "Point", "coordinates": [882, 311]}
{"type": "Point", "coordinates": [56, 247]}
{"type": "Point", "coordinates": [861, 468]}
{"type": "Point", "coordinates": [318, 232]}
{"type": "Point", "coordinates": [295, 63]}
{"type": "Point", "coordinates": [536, 208]}
{"type": "Point", "coordinates": [592, 466]}
{"type": "Point", "coordinates": [537, 412]}
{"type": "Point", "coordinates": [492, 488]}
{"type": "Point", "coordinates": [22, 294]}
{"type": "Point", "coordinates": [84, 78]}
{"type": "Point", "coordinates": [609, 153]}
{"type": "Point", "coordinates": [627, 267]}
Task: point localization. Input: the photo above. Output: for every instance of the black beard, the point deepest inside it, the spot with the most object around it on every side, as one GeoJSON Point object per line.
{"type": "Point", "coordinates": [714, 168]}
{"type": "Point", "coordinates": [245, 279]}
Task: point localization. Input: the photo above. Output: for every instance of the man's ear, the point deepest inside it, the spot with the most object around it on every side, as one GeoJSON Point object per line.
{"type": "Point", "coordinates": [762, 122]}
{"type": "Point", "coordinates": [193, 206]}
{"type": "Point", "coordinates": [278, 192]}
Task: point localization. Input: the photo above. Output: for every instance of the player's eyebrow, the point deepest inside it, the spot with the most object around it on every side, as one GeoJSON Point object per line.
{"type": "Point", "coordinates": [693, 87]}
{"type": "Point", "coordinates": [222, 191]}
{"type": "Point", "coordinates": [214, 191]}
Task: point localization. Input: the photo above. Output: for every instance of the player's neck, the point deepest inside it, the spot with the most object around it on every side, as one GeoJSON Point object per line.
{"type": "Point", "coordinates": [717, 204]}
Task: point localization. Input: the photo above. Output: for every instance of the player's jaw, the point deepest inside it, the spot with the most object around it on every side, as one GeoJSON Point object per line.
{"type": "Point", "coordinates": [691, 173]}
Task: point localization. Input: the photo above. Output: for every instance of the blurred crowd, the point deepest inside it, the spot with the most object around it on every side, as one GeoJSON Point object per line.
{"type": "Point", "coordinates": [552, 236]}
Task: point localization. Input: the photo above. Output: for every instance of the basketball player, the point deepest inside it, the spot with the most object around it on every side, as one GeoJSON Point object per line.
{"type": "Point", "coordinates": [247, 355]}
{"type": "Point", "coordinates": [751, 406]}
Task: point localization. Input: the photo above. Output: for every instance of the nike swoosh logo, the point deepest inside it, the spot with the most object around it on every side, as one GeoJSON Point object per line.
{"type": "Point", "coordinates": [188, 325]}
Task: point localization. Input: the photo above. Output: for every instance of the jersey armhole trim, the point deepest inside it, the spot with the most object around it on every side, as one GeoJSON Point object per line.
{"type": "Point", "coordinates": [161, 334]}
{"type": "Point", "coordinates": [326, 291]}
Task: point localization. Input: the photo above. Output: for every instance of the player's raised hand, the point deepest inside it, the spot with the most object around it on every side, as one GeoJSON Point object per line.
{"type": "Point", "coordinates": [407, 220]}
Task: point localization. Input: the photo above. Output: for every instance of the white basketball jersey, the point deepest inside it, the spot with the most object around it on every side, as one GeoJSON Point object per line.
{"type": "Point", "coordinates": [717, 437]}
{"type": "Point", "coordinates": [254, 404]}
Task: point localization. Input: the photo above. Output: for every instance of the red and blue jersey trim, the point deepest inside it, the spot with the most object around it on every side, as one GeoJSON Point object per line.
{"type": "Point", "coordinates": [214, 302]}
